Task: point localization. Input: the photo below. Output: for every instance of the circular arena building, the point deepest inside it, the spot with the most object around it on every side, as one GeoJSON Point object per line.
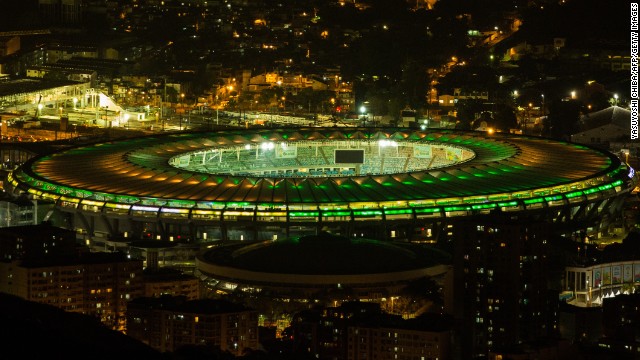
{"type": "Point", "coordinates": [368, 182]}
{"type": "Point", "coordinates": [312, 265]}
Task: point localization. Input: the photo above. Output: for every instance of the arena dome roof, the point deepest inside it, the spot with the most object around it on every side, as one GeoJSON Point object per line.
{"type": "Point", "coordinates": [326, 254]}
{"type": "Point", "coordinates": [322, 259]}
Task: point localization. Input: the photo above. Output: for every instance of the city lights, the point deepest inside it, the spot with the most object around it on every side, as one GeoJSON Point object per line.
{"type": "Point", "coordinates": [352, 179]}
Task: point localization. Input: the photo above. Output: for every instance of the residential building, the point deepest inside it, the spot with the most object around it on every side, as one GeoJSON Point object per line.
{"type": "Point", "coordinates": [501, 271]}
{"type": "Point", "coordinates": [9, 45]}
{"type": "Point", "coordinates": [56, 53]}
{"type": "Point", "coordinates": [288, 81]}
{"type": "Point", "coordinates": [359, 330]}
{"type": "Point", "coordinates": [621, 325]}
{"type": "Point", "coordinates": [94, 284]}
{"type": "Point", "coordinates": [580, 324]}
{"type": "Point", "coordinates": [61, 11]}
{"type": "Point", "coordinates": [36, 242]}
{"type": "Point", "coordinates": [166, 281]}
{"type": "Point", "coordinates": [168, 323]}
{"type": "Point", "coordinates": [398, 342]}
{"type": "Point", "coordinates": [17, 212]}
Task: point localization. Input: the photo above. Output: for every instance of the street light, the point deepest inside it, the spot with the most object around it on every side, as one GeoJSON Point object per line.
{"type": "Point", "coordinates": [363, 110]}
{"type": "Point", "coordinates": [615, 97]}
{"type": "Point", "coordinates": [40, 106]}
{"type": "Point", "coordinates": [529, 115]}
{"type": "Point", "coordinates": [393, 298]}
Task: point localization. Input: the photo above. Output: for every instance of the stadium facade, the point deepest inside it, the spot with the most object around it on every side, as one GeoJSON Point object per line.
{"type": "Point", "coordinates": [369, 182]}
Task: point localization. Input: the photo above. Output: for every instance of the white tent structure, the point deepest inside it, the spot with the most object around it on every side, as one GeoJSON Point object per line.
{"type": "Point", "coordinates": [603, 127]}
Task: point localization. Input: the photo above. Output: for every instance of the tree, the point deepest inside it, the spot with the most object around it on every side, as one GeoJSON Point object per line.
{"type": "Point", "coordinates": [563, 119]}
{"type": "Point", "coordinates": [467, 110]}
{"type": "Point", "coordinates": [269, 96]}
{"type": "Point", "coordinates": [232, 104]}
{"type": "Point", "coordinates": [505, 118]}
{"type": "Point", "coordinates": [414, 84]}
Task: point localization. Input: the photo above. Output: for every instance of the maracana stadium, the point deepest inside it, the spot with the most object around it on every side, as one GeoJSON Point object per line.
{"type": "Point", "coordinates": [377, 183]}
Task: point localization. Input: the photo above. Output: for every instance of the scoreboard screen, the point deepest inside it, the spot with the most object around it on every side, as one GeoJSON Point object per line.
{"type": "Point", "coordinates": [349, 156]}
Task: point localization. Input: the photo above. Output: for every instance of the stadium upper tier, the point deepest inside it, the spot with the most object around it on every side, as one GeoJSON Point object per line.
{"type": "Point", "coordinates": [300, 173]}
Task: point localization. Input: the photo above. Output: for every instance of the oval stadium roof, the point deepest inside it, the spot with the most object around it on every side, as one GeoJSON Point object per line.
{"type": "Point", "coordinates": [137, 172]}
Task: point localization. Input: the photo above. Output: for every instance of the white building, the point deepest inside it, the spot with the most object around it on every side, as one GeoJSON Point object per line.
{"type": "Point", "coordinates": [602, 127]}
{"type": "Point", "coordinates": [16, 212]}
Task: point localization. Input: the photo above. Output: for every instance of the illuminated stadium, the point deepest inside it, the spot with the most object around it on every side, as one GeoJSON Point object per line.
{"type": "Point", "coordinates": [368, 182]}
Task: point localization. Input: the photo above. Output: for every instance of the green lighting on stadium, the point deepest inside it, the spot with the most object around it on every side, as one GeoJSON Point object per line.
{"type": "Point", "coordinates": [494, 178]}
{"type": "Point", "coordinates": [427, 210]}
{"type": "Point", "coordinates": [367, 213]}
{"type": "Point", "coordinates": [574, 194]}
{"type": "Point", "coordinates": [398, 211]}
{"type": "Point", "coordinates": [304, 213]}
{"type": "Point", "coordinates": [457, 208]}
{"type": "Point", "coordinates": [336, 213]}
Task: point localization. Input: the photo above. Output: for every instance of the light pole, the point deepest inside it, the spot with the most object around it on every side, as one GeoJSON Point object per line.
{"type": "Point", "coordinates": [40, 106]}
{"type": "Point", "coordinates": [615, 97]}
